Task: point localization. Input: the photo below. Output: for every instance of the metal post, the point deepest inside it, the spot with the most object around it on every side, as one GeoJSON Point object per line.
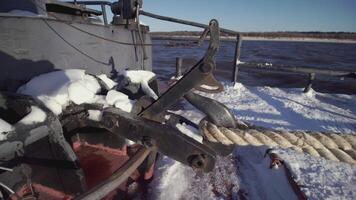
{"type": "Point", "coordinates": [179, 63]}
{"type": "Point", "coordinates": [310, 82]}
{"type": "Point", "coordinates": [103, 10]}
{"type": "Point", "coordinates": [236, 58]}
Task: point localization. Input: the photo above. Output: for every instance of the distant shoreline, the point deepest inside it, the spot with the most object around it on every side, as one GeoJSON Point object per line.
{"type": "Point", "coordinates": [249, 38]}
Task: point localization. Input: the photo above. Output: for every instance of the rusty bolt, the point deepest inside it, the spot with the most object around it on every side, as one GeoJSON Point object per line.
{"type": "Point", "coordinates": [148, 142]}
{"type": "Point", "coordinates": [196, 161]}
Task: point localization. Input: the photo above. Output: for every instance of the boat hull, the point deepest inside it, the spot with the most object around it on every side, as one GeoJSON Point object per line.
{"type": "Point", "coordinates": [34, 45]}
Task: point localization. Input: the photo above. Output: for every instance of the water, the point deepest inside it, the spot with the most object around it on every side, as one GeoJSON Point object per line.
{"type": "Point", "coordinates": [341, 56]}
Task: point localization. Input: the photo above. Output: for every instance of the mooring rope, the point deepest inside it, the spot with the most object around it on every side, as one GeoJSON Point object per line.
{"type": "Point", "coordinates": [332, 146]}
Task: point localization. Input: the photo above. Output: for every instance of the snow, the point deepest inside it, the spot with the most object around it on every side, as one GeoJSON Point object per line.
{"type": "Point", "coordinates": [239, 62]}
{"type": "Point", "coordinates": [119, 100]}
{"type": "Point", "coordinates": [320, 178]}
{"type": "Point", "coordinates": [142, 77]}
{"type": "Point", "coordinates": [283, 109]}
{"type": "Point", "coordinates": [60, 88]}
{"type": "Point", "coordinates": [95, 115]}
{"type": "Point", "coordinates": [36, 115]}
{"type": "Point", "coordinates": [108, 82]}
{"type": "Point", "coordinates": [56, 89]}
{"type": "Point", "coordinates": [208, 87]}
{"type": "Point", "coordinates": [5, 128]}
{"type": "Point", "coordinates": [190, 131]}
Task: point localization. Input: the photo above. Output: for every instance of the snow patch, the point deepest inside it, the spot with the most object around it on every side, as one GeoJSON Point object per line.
{"type": "Point", "coordinates": [283, 109]}
{"type": "Point", "coordinates": [36, 115]}
{"type": "Point", "coordinates": [174, 180]}
{"type": "Point", "coordinates": [239, 62]}
{"type": "Point", "coordinates": [119, 100]}
{"type": "Point", "coordinates": [5, 128]}
{"type": "Point", "coordinates": [208, 87]}
{"type": "Point", "coordinates": [190, 132]}
{"type": "Point", "coordinates": [108, 82]}
{"type": "Point", "coordinates": [57, 89]}
{"type": "Point", "coordinates": [142, 77]}
{"type": "Point", "coordinates": [310, 93]}
{"type": "Point", "coordinates": [95, 115]}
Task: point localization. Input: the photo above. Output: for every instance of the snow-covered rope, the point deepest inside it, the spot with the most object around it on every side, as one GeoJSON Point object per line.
{"type": "Point", "coordinates": [332, 146]}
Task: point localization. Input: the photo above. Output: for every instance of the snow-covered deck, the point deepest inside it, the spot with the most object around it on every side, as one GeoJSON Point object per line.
{"type": "Point", "coordinates": [247, 170]}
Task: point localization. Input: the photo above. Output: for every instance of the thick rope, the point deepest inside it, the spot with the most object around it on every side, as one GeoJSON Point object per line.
{"type": "Point", "coordinates": [332, 146]}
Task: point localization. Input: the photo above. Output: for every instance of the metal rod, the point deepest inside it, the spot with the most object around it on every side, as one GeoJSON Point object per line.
{"type": "Point", "coordinates": [6, 169]}
{"type": "Point", "coordinates": [237, 58]}
{"type": "Point", "coordinates": [179, 63]}
{"type": "Point", "coordinates": [103, 10]}
{"type": "Point", "coordinates": [91, 2]}
{"type": "Point", "coordinates": [310, 82]}
{"type": "Point", "coordinates": [114, 181]}
{"type": "Point", "coordinates": [185, 22]}
{"type": "Point", "coordinates": [296, 69]}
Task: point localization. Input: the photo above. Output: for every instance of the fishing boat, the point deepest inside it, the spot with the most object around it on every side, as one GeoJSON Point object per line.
{"type": "Point", "coordinates": [52, 148]}
{"type": "Point", "coordinates": [81, 116]}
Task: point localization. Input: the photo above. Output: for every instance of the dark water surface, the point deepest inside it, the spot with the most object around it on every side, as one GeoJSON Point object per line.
{"type": "Point", "coordinates": [341, 56]}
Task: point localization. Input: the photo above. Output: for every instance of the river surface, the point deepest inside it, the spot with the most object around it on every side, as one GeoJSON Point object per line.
{"type": "Point", "coordinates": [341, 56]}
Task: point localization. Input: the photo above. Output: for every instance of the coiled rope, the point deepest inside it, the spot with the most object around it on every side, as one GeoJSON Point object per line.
{"type": "Point", "coordinates": [332, 146]}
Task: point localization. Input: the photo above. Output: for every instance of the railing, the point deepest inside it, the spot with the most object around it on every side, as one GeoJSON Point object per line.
{"type": "Point", "coordinates": [311, 71]}
{"type": "Point", "coordinates": [102, 4]}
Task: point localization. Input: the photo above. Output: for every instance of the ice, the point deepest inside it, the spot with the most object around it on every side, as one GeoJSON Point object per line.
{"type": "Point", "coordinates": [142, 77]}
{"type": "Point", "coordinates": [36, 115]}
{"type": "Point", "coordinates": [108, 82]}
{"type": "Point", "coordinates": [4, 129]}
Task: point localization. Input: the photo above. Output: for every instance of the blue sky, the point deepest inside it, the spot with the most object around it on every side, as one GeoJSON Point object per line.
{"type": "Point", "coordinates": [257, 15]}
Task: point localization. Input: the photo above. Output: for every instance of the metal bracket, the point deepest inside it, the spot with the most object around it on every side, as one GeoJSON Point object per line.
{"type": "Point", "coordinates": [191, 79]}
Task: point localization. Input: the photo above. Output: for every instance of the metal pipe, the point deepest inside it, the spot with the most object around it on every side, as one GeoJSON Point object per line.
{"type": "Point", "coordinates": [237, 58]}
{"type": "Point", "coordinates": [114, 181]}
{"type": "Point", "coordinates": [103, 10]}
{"type": "Point", "coordinates": [185, 22]}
